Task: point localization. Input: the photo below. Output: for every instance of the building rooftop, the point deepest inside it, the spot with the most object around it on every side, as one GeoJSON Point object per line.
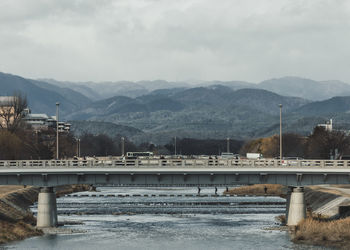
{"type": "Point", "coordinates": [37, 116]}
{"type": "Point", "coordinates": [6, 100]}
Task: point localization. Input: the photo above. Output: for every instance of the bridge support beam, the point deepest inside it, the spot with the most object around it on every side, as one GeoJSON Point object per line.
{"type": "Point", "coordinates": [47, 208]}
{"type": "Point", "coordinates": [297, 208]}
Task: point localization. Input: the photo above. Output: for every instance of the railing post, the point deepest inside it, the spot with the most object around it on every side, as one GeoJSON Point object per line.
{"type": "Point", "coordinates": [322, 164]}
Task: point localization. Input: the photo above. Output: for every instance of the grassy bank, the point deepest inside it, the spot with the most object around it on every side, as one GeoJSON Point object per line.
{"type": "Point", "coordinates": [12, 231]}
{"type": "Point", "coordinates": [259, 190]}
{"type": "Point", "coordinates": [322, 232]}
{"type": "Point", "coordinates": [16, 220]}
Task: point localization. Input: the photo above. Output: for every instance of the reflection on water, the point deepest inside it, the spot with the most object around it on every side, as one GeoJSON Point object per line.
{"type": "Point", "coordinates": [157, 222]}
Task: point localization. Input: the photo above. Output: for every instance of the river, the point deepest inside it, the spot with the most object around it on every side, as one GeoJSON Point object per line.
{"type": "Point", "coordinates": [164, 218]}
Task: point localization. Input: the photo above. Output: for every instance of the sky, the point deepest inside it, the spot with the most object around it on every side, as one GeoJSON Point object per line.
{"type": "Point", "coordinates": [182, 40]}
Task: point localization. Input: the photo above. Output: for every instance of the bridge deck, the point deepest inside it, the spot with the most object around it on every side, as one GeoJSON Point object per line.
{"type": "Point", "coordinates": [174, 172]}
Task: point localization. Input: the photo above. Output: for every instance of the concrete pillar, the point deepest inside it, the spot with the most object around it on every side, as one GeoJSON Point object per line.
{"type": "Point", "coordinates": [297, 208]}
{"type": "Point", "coordinates": [47, 208]}
{"type": "Point", "coordinates": [289, 192]}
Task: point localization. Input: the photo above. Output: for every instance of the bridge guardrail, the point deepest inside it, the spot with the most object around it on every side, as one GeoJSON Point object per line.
{"type": "Point", "coordinates": [193, 163]}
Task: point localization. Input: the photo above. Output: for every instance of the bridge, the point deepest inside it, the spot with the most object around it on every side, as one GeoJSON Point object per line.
{"type": "Point", "coordinates": [172, 172]}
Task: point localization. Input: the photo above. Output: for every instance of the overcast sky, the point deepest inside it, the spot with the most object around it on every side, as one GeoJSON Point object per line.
{"type": "Point", "coordinates": [100, 40]}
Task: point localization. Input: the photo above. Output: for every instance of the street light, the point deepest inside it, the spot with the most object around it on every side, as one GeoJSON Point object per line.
{"type": "Point", "coordinates": [57, 119]}
{"type": "Point", "coordinates": [123, 146]}
{"type": "Point", "coordinates": [280, 132]}
{"type": "Point", "coordinates": [78, 147]}
{"type": "Point", "coordinates": [175, 145]}
{"type": "Point", "coordinates": [228, 145]}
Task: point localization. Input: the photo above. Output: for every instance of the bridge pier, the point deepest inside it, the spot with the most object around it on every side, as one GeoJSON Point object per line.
{"type": "Point", "coordinates": [47, 208]}
{"type": "Point", "coordinates": [296, 209]}
{"type": "Point", "coordinates": [289, 192]}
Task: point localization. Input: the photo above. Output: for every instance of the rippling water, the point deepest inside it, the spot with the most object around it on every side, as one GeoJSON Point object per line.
{"type": "Point", "coordinates": [169, 218]}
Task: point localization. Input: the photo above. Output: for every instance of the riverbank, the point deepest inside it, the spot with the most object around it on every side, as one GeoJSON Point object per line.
{"type": "Point", "coordinates": [259, 190]}
{"type": "Point", "coordinates": [16, 220]}
{"type": "Point", "coordinates": [324, 226]}
{"type": "Point", "coordinates": [323, 232]}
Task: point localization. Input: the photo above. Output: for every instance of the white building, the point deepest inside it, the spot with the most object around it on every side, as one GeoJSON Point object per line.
{"type": "Point", "coordinates": [44, 122]}
{"type": "Point", "coordinates": [328, 126]}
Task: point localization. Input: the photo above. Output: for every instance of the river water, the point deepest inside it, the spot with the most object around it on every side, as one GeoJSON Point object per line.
{"type": "Point", "coordinates": [164, 218]}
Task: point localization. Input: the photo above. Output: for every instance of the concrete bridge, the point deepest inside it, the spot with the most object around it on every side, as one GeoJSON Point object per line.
{"type": "Point", "coordinates": [172, 172]}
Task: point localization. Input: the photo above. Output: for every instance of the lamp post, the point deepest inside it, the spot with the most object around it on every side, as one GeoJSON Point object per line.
{"type": "Point", "coordinates": [123, 146]}
{"type": "Point", "coordinates": [78, 147]}
{"type": "Point", "coordinates": [280, 132]}
{"type": "Point", "coordinates": [228, 145]}
{"type": "Point", "coordinates": [175, 145]}
{"type": "Point", "coordinates": [57, 119]}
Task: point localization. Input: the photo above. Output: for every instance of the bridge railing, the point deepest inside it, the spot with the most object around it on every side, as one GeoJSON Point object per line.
{"type": "Point", "coordinates": [191, 163]}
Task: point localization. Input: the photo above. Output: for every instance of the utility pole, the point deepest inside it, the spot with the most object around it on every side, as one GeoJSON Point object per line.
{"type": "Point", "coordinates": [228, 145]}
{"type": "Point", "coordinates": [123, 145]}
{"type": "Point", "coordinates": [280, 132]}
{"type": "Point", "coordinates": [78, 147]}
{"type": "Point", "coordinates": [57, 120]}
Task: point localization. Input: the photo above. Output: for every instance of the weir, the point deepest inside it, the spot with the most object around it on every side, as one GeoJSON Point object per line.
{"type": "Point", "coordinates": [47, 208]}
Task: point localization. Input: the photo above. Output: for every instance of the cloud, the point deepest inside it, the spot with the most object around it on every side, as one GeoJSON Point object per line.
{"type": "Point", "coordinates": [175, 40]}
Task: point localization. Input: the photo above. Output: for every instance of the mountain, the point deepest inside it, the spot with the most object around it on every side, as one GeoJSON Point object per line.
{"type": "Point", "coordinates": [285, 86]}
{"type": "Point", "coordinates": [41, 97]}
{"type": "Point", "coordinates": [306, 88]}
{"type": "Point", "coordinates": [78, 99]}
{"type": "Point", "coordinates": [77, 87]}
{"type": "Point", "coordinates": [218, 97]}
{"type": "Point", "coordinates": [235, 85]}
{"type": "Point", "coordinates": [201, 112]}
{"type": "Point", "coordinates": [107, 128]}
{"type": "Point", "coordinates": [159, 110]}
{"type": "Point", "coordinates": [102, 90]}
{"type": "Point", "coordinates": [339, 104]}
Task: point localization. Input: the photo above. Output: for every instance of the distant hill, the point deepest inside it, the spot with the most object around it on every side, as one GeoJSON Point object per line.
{"type": "Point", "coordinates": [157, 111]}
{"type": "Point", "coordinates": [107, 128]}
{"type": "Point", "coordinates": [78, 87]}
{"type": "Point", "coordinates": [102, 90]}
{"type": "Point", "coordinates": [78, 99]}
{"type": "Point", "coordinates": [285, 86]}
{"type": "Point", "coordinates": [217, 97]}
{"type": "Point", "coordinates": [202, 112]}
{"type": "Point", "coordinates": [306, 88]}
{"type": "Point", "coordinates": [41, 97]}
{"type": "Point", "coordinates": [339, 104]}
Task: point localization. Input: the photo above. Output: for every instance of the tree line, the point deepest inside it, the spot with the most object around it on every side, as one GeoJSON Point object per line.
{"type": "Point", "coordinates": [320, 144]}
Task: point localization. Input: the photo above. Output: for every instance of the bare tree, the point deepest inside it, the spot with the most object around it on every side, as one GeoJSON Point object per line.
{"type": "Point", "coordinates": [12, 111]}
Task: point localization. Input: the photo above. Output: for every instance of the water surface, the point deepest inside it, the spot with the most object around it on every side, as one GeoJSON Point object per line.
{"type": "Point", "coordinates": [170, 219]}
